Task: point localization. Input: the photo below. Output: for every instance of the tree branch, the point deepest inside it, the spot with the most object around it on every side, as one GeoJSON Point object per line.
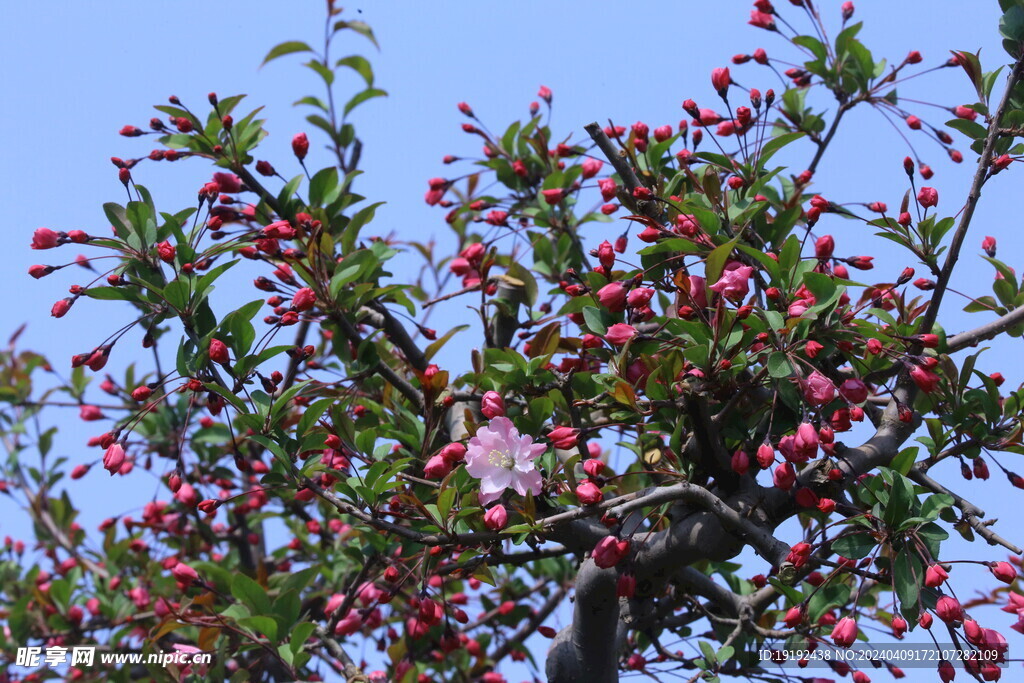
{"type": "Point", "coordinates": [987, 331]}
{"type": "Point", "coordinates": [973, 195]}
{"type": "Point", "coordinates": [972, 513]}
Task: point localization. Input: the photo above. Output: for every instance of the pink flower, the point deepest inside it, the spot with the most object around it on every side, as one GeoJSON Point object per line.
{"type": "Point", "coordinates": [845, 632]}
{"type": "Point", "coordinates": [553, 196]}
{"type": "Point", "coordinates": [609, 551]}
{"type": "Point", "coordinates": [734, 284]}
{"type": "Point", "coordinates": [762, 20]}
{"type": "Point", "coordinates": [113, 458]}
{"type": "Point", "coordinates": [802, 446]}
{"type": "Point", "coordinates": [300, 146]}
{"type": "Point", "coordinates": [640, 297]}
{"type": "Point", "coordinates": [934, 576]}
{"type": "Point", "coordinates": [90, 413]}
{"type": "Point", "coordinates": [854, 391]}
{"type": "Point", "coordinates": [613, 297]}
{"type": "Point", "coordinates": [784, 476]}
{"type": "Point", "coordinates": [492, 405]}
{"type": "Point", "coordinates": [501, 458]}
{"type": "Point", "coordinates": [588, 493]}
{"type": "Point", "coordinates": [620, 333]}
{"type": "Point", "coordinates": [818, 389]}
{"type": "Point", "coordinates": [228, 182]}
{"type": "Point", "coordinates": [720, 79]}
{"type": "Point", "coordinates": [698, 291]}
{"type": "Point", "coordinates": [219, 352]}
{"type": "Point", "coordinates": [926, 380]}
{"type": "Point", "coordinates": [453, 452]}
{"type": "Point", "coordinates": [1003, 571]}
{"type": "Point", "coordinates": [304, 299]}
{"type": "Point", "coordinates": [608, 188]}
{"type": "Point", "coordinates": [740, 462]}
{"type": "Point", "coordinates": [949, 610]}
{"type": "Point", "coordinates": [61, 307]}
{"type": "Point", "coordinates": [591, 167]}
{"type": "Point", "coordinates": [44, 238]}
{"type": "Point", "coordinates": [184, 573]}
{"type": "Point", "coordinates": [564, 437]}
{"type": "Point", "coordinates": [496, 518]}
{"type": "Point", "coordinates": [437, 467]}
{"type": "Point", "coordinates": [928, 196]}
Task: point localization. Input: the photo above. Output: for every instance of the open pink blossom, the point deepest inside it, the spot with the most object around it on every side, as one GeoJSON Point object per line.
{"type": "Point", "coordinates": [501, 458]}
{"type": "Point", "coordinates": [734, 283]}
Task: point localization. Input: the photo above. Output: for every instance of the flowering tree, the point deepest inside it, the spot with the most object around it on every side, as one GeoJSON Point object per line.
{"type": "Point", "coordinates": [636, 413]}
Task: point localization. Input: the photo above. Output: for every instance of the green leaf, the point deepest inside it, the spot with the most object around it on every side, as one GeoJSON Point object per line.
{"type": "Point", "coordinates": [324, 187]}
{"type": "Point", "coordinates": [775, 144]}
{"type": "Point", "coordinates": [360, 65]}
{"type": "Point", "coordinates": [286, 48]}
{"type": "Point", "coordinates": [906, 579]}
{"type": "Point", "coordinates": [855, 546]}
{"type": "Point", "coordinates": [300, 635]}
{"type": "Point", "coordinates": [779, 366]}
{"type": "Point", "coordinates": [901, 498]}
{"type": "Point", "coordinates": [716, 260]}
{"type": "Point", "coordinates": [250, 593]}
{"type": "Point", "coordinates": [360, 27]}
{"type": "Point", "coordinates": [362, 217]}
{"type": "Point", "coordinates": [261, 625]}
{"type": "Point", "coordinates": [361, 97]}
{"type": "Point", "coordinates": [934, 504]}
{"type": "Point", "coordinates": [594, 319]}
{"type": "Point", "coordinates": [905, 460]}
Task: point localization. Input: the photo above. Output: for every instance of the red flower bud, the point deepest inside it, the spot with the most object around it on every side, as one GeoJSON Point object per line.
{"type": "Point", "coordinates": [219, 352]}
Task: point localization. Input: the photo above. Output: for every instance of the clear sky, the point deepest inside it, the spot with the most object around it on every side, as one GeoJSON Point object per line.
{"type": "Point", "coordinates": [74, 73]}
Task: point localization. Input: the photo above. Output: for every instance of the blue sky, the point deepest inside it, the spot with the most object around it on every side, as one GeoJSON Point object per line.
{"type": "Point", "coordinates": [72, 78]}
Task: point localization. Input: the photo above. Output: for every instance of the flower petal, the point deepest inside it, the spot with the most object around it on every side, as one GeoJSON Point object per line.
{"type": "Point", "coordinates": [528, 481]}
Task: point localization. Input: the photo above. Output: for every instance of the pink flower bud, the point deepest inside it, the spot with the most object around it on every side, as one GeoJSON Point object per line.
{"type": "Point", "coordinates": [721, 79]}
{"type": "Point", "coordinates": [453, 452]}
{"type": "Point", "coordinates": [740, 462]}
{"type": "Point", "coordinates": [496, 518]}
{"type": "Point", "coordinates": [620, 333]}
{"type": "Point", "coordinates": [492, 405]}
{"type": "Point", "coordinates": [437, 467]}
{"type": "Point", "coordinates": [588, 493]}
{"type": "Point", "coordinates": [184, 573]}
{"type": "Point", "coordinates": [899, 626]}
{"type": "Point", "coordinates": [300, 146]}
{"type": "Point", "coordinates": [564, 437]}
{"type": "Point", "coordinates": [845, 632]}
{"type": "Point", "coordinates": [613, 297]}
{"type": "Point", "coordinates": [44, 238]}
{"type": "Point", "coordinates": [1003, 571]}
{"type": "Point", "coordinates": [609, 551]}
{"type": "Point", "coordinates": [928, 197]}
{"type": "Point", "coordinates": [304, 299]}
{"type": "Point", "coordinates": [219, 352]}
{"type": "Point", "coordinates": [591, 167]}
{"type": "Point", "coordinates": [113, 458]}
{"type": "Point", "coordinates": [818, 389]}
{"type": "Point", "coordinates": [949, 610]}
